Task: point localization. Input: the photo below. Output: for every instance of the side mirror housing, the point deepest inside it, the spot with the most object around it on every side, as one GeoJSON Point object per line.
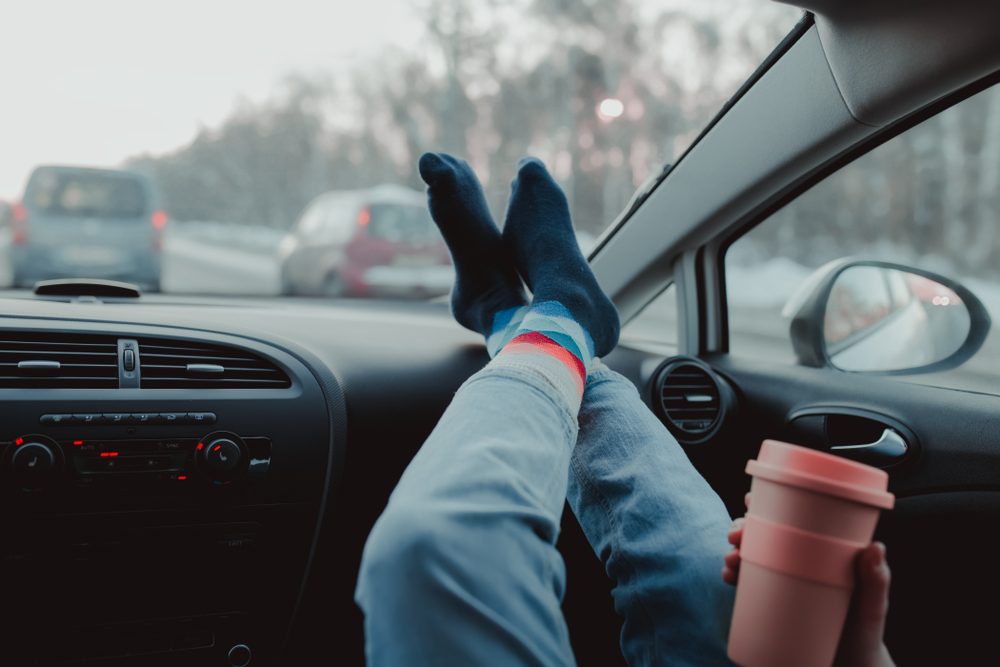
{"type": "Point", "coordinates": [870, 316]}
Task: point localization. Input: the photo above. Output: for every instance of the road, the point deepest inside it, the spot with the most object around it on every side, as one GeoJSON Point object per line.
{"type": "Point", "coordinates": [194, 266]}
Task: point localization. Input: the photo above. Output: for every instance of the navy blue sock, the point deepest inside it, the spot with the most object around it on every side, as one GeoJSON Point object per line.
{"type": "Point", "coordinates": [486, 282]}
{"type": "Point", "coordinates": [539, 233]}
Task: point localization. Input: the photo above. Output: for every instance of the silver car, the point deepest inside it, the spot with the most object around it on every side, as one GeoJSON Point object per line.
{"type": "Point", "coordinates": [76, 222]}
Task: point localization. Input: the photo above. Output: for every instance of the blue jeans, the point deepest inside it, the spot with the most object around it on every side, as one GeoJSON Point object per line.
{"type": "Point", "coordinates": [462, 568]}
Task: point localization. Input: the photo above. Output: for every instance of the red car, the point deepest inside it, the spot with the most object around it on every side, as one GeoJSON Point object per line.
{"type": "Point", "coordinates": [375, 242]}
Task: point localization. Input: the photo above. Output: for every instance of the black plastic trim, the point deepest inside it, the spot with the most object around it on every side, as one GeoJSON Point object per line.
{"type": "Point", "coordinates": [128, 379]}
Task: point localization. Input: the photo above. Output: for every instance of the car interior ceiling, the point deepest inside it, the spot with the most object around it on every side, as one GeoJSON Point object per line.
{"type": "Point", "coordinates": [351, 404]}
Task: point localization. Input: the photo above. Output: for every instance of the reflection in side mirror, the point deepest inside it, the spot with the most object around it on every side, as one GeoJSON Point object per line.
{"type": "Point", "coordinates": [882, 318]}
{"type": "Point", "coordinates": [888, 320]}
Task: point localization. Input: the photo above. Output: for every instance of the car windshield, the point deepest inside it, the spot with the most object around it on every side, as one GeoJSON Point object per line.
{"type": "Point", "coordinates": [270, 148]}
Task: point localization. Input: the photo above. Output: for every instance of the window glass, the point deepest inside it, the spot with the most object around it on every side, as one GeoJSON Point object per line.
{"type": "Point", "coordinates": [311, 220]}
{"type": "Point", "coordinates": [656, 324]}
{"type": "Point", "coordinates": [402, 224]}
{"type": "Point", "coordinates": [929, 198]}
{"type": "Point", "coordinates": [241, 114]}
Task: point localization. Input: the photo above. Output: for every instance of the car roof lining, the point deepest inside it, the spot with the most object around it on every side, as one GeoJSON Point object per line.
{"type": "Point", "coordinates": [891, 57]}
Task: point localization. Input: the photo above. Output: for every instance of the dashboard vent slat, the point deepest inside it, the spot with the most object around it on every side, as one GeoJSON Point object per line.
{"type": "Point", "coordinates": [691, 400]}
{"type": "Point", "coordinates": [177, 364]}
{"type": "Point", "coordinates": [52, 360]}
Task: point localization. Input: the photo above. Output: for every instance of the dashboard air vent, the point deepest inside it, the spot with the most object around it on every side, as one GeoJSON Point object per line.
{"type": "Point", "coordinates": [166, 363]}
{"type": "Point", "coordinates": [691, 398]}
{"type": "Point", "coordinates": [48, 360]}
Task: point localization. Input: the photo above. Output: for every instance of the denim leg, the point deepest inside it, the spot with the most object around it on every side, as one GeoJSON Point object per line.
{"type": "Point", "coordinates": [657, 526]}
{"type": "Point", "coordinates": [461, 568]}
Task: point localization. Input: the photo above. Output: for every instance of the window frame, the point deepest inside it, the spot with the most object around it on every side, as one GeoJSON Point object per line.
{"type": "Point", "coordinates": [705, 300]}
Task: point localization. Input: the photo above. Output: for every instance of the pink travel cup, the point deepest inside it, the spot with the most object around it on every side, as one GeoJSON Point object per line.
{"type": "Point", "coordinates": [810, 515]}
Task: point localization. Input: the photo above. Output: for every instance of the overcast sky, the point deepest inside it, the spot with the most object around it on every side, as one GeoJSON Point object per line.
{"type": "Point", "coordinates": [95, 81]}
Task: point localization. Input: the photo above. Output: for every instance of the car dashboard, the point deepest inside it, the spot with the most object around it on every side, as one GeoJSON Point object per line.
{"type": "Point", "coordinates": [173, 470]}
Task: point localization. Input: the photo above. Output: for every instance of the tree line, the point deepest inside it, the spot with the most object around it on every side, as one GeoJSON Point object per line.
{"type": "Point", "coordinates": [492, 82]}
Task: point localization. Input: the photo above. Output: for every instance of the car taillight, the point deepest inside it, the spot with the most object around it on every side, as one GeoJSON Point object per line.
{"type": "Point", "coordinates": [159, 220]}
{"type": "Point", "coordinates": [364, 217]}
{"type": "Point", "coordinates": [19, 228]}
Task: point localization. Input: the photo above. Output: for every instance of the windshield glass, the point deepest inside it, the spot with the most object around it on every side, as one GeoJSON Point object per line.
{"type": "Point", "coordinates": [271, 147]}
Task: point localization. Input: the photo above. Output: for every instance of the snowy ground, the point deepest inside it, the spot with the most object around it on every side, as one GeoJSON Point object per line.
{"type": "Point", "coordinates": [195, 266]}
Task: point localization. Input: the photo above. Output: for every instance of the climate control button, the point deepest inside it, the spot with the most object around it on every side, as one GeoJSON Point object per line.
{"type": "Point", "coordinates": [34, 462]}
{"type": "Point", "coordinates": [32, 459]}
{"type": "Point", "coordinates": [221, 457]}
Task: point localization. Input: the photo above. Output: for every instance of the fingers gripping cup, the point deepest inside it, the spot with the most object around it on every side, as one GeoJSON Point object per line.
{"type": "Point", "coordinates": [810, 515]}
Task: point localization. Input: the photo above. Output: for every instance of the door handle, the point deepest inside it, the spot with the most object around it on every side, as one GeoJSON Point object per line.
{"type": "Point", "coordinates": [889, 449]}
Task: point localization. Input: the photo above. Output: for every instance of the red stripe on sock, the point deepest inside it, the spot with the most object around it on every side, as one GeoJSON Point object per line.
{"type": "Point", "coordinates": [552, 348]}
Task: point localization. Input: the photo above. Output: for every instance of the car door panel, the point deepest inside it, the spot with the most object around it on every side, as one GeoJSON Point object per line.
{"type": "Point", "coordinates": [939, 535]}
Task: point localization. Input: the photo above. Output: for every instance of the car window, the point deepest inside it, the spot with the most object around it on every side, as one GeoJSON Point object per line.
{"type": "Point", "coordinates": [928, 198]}
{"type": "Point", "coordinates": [401, 224]}
{"type": "Point", "coordinates": [339, 221]}
{"type": "Point", "coordinates": [656, 325]}
{"type": "Point", "coordinates": [83, 194]}
{"type": "Point", "coordinates": [311, 220]}
{"type": "Point", "coordinates": [244, 116]}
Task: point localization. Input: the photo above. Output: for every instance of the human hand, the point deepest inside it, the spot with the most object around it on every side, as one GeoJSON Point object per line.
{"type": "Point", "coordinates": [861, 642]}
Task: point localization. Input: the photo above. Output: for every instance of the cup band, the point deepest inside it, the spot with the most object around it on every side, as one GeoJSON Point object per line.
{"type": "Point", "coordinates": [809, 482]}
{"type": "Point", "coordinates": [799, 553]}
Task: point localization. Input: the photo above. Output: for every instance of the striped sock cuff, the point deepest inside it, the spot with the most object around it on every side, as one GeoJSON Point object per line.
{"type": "Point", "coordinates": [545, 336]}
{"type": "Point", "coordinates": [536, 341]}
{"type": "Point", "coordinates": [548, 317]}
{"type": "Point", "coordinates": [552, 319]}
{"type": "Point", "coordinates": [539, 355]}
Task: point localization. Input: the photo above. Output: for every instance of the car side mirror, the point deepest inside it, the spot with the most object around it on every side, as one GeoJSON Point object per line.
{"type": "Point", "coordinates": [875, 317]}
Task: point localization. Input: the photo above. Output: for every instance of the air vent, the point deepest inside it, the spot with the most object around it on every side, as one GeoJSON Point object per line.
{"type": "Point", "coordinates": [166, 363]}
{"type": "Point", "coordinates": [45, 360]}
{"type": "Point", "coordinates": [691, 398]}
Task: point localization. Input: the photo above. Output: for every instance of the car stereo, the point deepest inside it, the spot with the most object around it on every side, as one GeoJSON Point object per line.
{"type": "Point", "coordinates": [153, 525]}
{"type": "Point", "coordinates": [37, 461]}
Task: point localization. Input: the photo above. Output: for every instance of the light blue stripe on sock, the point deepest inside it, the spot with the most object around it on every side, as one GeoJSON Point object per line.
{"type": "Point", "coordinates": [552, 319]}
{"type": "Point", "coordinates": [502, 319]}
{"type": "Point", "coordinates": [554, 314]}
{"type": "Point", "coordinates": [505, 326]}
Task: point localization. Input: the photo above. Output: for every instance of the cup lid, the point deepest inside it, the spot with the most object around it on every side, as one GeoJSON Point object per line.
{"type": "Point", "coordinates": [821, 472]}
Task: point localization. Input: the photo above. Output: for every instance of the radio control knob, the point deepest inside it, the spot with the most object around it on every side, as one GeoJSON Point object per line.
{"type": "Point", "coordinates": [33, 464]}
{"type": "Point", "coordinates": [222, 459]}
